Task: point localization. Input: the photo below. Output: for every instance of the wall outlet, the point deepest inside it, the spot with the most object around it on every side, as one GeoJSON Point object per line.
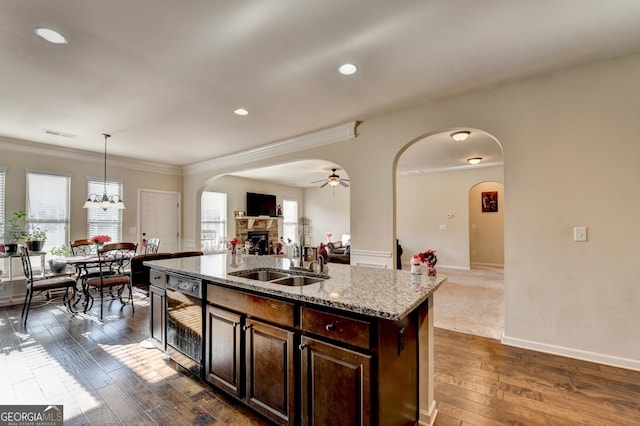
{"type": "Point", "coordinates": [579, 233]}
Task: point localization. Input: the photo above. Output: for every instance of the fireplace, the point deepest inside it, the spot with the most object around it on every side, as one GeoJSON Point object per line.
{"type": "Point", "coordinates": [255, 236]}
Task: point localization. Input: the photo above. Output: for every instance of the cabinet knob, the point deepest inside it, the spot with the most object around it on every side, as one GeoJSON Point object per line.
{"type": "Point", "coordinates": [235, 324]}
{"type": "Point", "coordinates": [330, 327]}
{"type": "Point", "coordinates": [302, 346]}
{"type": "Point", "coordinates": [246, 327]}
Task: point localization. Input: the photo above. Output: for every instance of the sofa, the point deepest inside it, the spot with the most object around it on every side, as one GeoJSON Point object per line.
{"type": "Point", "coordinates": [140, 272]}
{"type": "Point", "coordinates": [339, 252]}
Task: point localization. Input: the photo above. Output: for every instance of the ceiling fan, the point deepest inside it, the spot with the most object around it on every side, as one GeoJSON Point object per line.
{"type": "Point", "coordinates": [333, 180]}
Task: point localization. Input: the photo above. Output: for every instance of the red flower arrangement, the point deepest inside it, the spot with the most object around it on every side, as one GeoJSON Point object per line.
{"type": "Point", "coordinates": [234, 242]}
{"type": "Point", "coordinates": [429, 257]}
{"type": "Point", "coordinates": [100, 239]}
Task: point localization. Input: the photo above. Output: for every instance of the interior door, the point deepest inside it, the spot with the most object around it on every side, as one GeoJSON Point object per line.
{"type": "Point", "coordinates": [160, 218]}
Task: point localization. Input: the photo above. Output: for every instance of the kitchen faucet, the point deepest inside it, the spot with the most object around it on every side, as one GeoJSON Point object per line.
{"type": "Point", "coordinates": [320, 265]}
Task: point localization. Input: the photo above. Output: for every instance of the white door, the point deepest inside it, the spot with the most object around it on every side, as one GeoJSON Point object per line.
{"type": "Point", "coordinates": [160, 218]}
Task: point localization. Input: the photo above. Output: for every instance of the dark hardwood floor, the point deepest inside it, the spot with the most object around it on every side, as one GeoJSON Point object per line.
{"type": "Point", "coordinates": [102, 376]}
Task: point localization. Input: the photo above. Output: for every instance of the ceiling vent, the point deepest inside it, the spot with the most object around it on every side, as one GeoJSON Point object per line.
{"type": "Point", "coordinates": [61, 134]}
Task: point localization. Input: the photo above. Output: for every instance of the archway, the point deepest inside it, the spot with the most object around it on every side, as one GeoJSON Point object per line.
{"type": "Point", "coordinates": [299, 181]}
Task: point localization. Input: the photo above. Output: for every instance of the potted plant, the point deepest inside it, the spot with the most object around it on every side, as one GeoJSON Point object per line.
{"type": "Point", "coordinates": [57, 266]}
{"type": "Point", "coordinates": [36, 238]}
{"type": "Point", "coordinates": [14, 231]}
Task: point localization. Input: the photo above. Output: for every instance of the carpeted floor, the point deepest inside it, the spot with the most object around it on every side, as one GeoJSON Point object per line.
{"type": "Point", "coordinates": [471, 301]}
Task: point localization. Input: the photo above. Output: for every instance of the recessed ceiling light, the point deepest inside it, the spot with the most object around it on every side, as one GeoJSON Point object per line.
{"type": "Point", "coordinates": [460, 136]}
{"type": "Point", "coordinates": [474, 160]}
{"type": "Point", "coordinates": [348, 69]}
{"type": "Point", "coordinates": [50, 35]}
{"type": "Point", "coordinates": [241, 111]}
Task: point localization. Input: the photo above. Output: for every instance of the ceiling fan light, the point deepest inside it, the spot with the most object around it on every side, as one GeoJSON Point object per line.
{"type": "Point", "coordinates": [460, 136]}
{"type": "Point", "coordinates": [474, 160]}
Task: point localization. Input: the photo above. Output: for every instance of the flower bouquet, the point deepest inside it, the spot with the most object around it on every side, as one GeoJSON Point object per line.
{"type": "Point", "coordinates": [279, 248]}
{"type": "Point", "coordinates": [99, 240]}
{"type": "Point", "coordinates": [328, 235]}
{"type": "Point", "coordinates": [234, 243]}
{"type": "Point", "coordinates": [429, 257]}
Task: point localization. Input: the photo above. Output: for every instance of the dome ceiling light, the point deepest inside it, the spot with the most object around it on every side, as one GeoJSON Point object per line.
{"type": "Point", "coordinates": [474, 160]}
{"type": "Point", "coordinates": [348, 69]}
{"type": "Point", "coordinates": [460, 136]}
{"type": "Point", "coordinates": [241, 111]}
{"type": "Point", "coordinates": [50, 35]}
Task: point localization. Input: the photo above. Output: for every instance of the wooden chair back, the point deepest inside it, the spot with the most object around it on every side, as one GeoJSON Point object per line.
{"type": "Point", "coordinates": [82, 247]}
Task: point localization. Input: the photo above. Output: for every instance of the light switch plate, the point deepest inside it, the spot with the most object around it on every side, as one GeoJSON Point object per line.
{"type": "Point", "coordinates": [579, 233]}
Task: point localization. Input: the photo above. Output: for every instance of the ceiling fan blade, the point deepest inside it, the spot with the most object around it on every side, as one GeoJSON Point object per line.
{"type": "Point", "coordinates": [324, 184]}
{"type": "Point", "coordinates": [346, 180]}
{"type": "Point", "coordinates": [318, 181]}
{"type": "Point", "coordinates": [343, 183]}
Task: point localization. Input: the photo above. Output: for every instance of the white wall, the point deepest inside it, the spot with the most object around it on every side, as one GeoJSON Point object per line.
{"type": "Point", "coordinates": [422, 205]}
{"type": "Point", "coordinates": [569, 146]}
{"type": "Point", "coordinates": [328, 211]}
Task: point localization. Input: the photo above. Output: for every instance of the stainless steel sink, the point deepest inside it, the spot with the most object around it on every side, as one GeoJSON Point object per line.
{"type": "Point", "coordinates": [281, 277]}
{"type": "Point", "coordinates": [261, 275]}
{"type": "Point", "coordinates": [297, 280]}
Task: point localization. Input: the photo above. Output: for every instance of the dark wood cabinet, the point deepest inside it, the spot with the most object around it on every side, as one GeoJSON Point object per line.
{"type": "Point", "coordinates": [223, 350]}
{"type": "Point", "coordinates": [335, 384]}
{"type": "Point", "coordinates": [158, 321]}
{"type": "Point", "coordinates": [270, 371]}
{"type": "Point", "coordinates": [306, 364]}
{"type": "Point", "coordinates": [249, 358]}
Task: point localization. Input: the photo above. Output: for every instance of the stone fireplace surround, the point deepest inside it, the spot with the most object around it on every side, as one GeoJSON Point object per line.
{"type": "Point", "coordinates": [271, 227]}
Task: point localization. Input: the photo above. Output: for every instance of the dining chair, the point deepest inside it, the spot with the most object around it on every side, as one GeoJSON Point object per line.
{"type": "Point", "coordinates": [114, 275]}
{"type": "Point", "coordinates": [152, 245]}
{"type": "Point", "coordinates": [82, 247]}
{"type": "Point", "coordinates": [85, 248]}
{"type": "Point", "coordinates": [46, 284]}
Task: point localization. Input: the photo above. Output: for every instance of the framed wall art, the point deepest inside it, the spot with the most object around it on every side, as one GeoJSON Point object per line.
{"type": "Point", "coordinates": [489, 201]}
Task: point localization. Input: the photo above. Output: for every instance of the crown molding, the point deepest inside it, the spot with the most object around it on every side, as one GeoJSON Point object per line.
{"type": "Point", "coordinates": [310, 140]}
{"type": "Point", "coordinates": [72, 154]}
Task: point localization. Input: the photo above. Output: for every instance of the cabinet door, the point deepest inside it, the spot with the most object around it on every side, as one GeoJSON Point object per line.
{"type": "Point", "coordinates": [223, 357]}
{"type": "Point", "coordinates": [158, 324]}
{"type": "Point", "coordinates": [270, 371]}
{"type": "Point", "coordinates": [336, 385]}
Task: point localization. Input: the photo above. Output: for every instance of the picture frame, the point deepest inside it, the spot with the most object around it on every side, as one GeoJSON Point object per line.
{"type": "Point", "coordinates": [489, 202]}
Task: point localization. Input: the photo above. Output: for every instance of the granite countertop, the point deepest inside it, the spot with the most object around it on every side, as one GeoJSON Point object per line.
{"type": "Point", "coordinates": [380, 293]}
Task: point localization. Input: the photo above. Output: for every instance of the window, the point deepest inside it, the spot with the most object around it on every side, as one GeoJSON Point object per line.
{"type": "Point", "coordinates": [48, 199]}
{"type": "Point", "coordinates": [2, 173]}
{"type": "Point", "coordinates": [213, 220]}
{"type": "Point", "coordinates": [290, 221]}
{"type": "Point", "coordinates": [104, 222]}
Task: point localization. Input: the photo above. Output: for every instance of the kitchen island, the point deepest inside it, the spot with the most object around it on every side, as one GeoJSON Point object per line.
{"type": "Point", "coordinates": [356, 347]}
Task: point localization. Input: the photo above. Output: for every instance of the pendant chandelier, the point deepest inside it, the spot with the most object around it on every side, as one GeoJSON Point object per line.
{"type": "Point", "coordinates": [104, 201]}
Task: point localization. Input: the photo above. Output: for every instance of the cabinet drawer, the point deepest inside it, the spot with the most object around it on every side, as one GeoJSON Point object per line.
{"type": "Point", "coordinates": [159, 279]}
{"type": "Point", "coordinates": [344, 329]}
{"type": "Point", "coordinates": [271, 310]}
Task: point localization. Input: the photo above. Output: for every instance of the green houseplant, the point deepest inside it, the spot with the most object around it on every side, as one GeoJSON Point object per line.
{"type": "Point", "coordinates": [36, 239]}
{"type": "Point", "coordinates": [14, 231]}
{"type": "Point", "coordinates": [57, 266]}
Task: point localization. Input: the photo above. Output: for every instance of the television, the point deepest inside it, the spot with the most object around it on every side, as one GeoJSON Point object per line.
{"type": "Point", "coordinates": [261, 204]}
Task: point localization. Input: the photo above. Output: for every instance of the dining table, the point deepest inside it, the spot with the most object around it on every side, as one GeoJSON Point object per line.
{"type": "Point", "coordinates": [88, 265]}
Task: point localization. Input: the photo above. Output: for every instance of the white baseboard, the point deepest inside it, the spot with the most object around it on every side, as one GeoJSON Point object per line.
{"type": "Point", "coordinates": [492, 265]}
{"type": "Point", "coordinates": [630, 364]}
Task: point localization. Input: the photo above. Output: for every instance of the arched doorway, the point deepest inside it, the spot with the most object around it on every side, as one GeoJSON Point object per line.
{"type": "Point", "coordinates": [436, 208]}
